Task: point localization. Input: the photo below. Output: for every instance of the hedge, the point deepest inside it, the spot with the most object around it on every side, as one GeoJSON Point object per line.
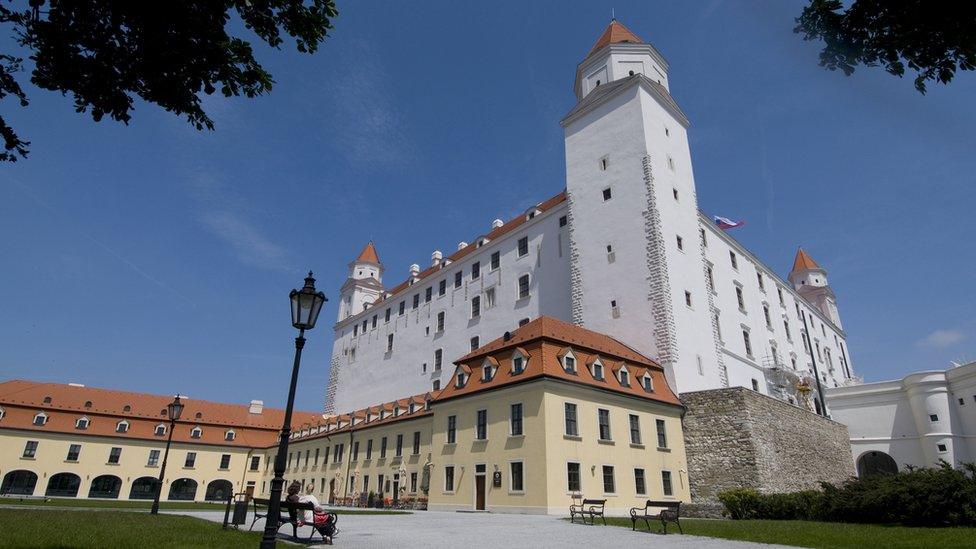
{"type": "Point", "coordinates": [939, 496]}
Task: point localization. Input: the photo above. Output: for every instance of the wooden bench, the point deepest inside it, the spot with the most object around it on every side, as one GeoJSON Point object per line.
{"type": "Point", "coordinates": [294, 508]}
{"type": "Point", "coordinates": [589, 507]}
{"type": "Point", "coordinates": [665, 511]}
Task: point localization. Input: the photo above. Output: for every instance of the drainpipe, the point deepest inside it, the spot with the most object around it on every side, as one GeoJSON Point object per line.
{"type": "Point", "coordinates": [816, 371]}
{"type": "Point", "coordinates": [247, 463]}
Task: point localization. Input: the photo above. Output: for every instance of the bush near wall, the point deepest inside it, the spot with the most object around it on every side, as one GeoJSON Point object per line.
{"type": "Point", "coordinates": [939, 496]}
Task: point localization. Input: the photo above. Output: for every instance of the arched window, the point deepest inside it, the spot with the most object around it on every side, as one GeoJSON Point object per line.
{"type": "Point", "coordinates": [122, 426]}
{"type": "Point", "coordinates": [196, 432]}
{"type": "Point", "coordinates": [199, 415]}
{"type": "Point", "coordinates": [105, 486]}
{"type": "Point", "coordinates": [82, 423]}
{"type": "Point", "coordinates": [160, 430]}
{"type": "Point", "coordinates": [40, 419]}
{"type": "Point", "coordinates": [63, 485]}
{"type": "Point", "coordinates": [143, 488]}
{"type": "Point", "coordinates": [219, 490]}
{"type": "Point", "coordinates": [184, 489]}
{"type": "Point", "coordinates": [20, 483]}
{"type": "Point", "coordinates": [47, 400]}
{"type": "Point", "coordinates": [230, 435]}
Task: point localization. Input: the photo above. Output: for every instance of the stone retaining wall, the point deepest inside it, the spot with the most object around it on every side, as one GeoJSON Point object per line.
{"type": "Point", "coordinates": [738, 438]}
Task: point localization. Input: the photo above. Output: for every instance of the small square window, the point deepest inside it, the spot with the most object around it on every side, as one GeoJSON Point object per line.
{"type": "Point", "coordinates": [607, 194]}
{"type": "Point", "coordinates": [934, 417]}
{"type": "Point", "coordinates": [562, 221]}
{"type": "Point", "coordinates": [943, 448]}
{"type": "Point", "coordinates": [605, 161]}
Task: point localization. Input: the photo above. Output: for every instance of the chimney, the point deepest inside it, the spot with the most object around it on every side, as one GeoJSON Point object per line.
{"type": "Point", "coordinates": [462, 245]}
{"type": "Point", "coordinates": [507, 336]}
{"type": "Point", "coordinates": [435, 258]}
{"type": "Point", "coordinates": [76, 384]}
{"type": "Point", "coordinates": [256, 407]}
{"type": "Point", "coordinates": [497, 223]}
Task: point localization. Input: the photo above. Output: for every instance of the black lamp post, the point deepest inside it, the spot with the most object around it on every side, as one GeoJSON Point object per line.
{"type": "Point", "coordinates": [175, 410]}
{"type": "Point", "coordinates": [305, 306]}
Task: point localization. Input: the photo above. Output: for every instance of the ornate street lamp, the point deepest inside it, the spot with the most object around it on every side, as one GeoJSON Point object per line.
{"type": "Point", "coordinates": [305, 306]}
{"type": "Point", "coordinates": [174, 410]}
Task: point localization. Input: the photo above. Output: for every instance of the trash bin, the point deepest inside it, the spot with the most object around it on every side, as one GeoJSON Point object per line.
{"type": "Point", "coordinates": [240, 513]}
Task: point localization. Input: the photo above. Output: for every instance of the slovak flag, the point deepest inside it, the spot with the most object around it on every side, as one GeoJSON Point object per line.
{"type": "Point", "coordinates": [725, 223]}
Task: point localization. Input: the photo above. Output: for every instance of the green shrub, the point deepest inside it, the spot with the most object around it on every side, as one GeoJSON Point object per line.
{"type": "Point", "coordinates": [939, 496]}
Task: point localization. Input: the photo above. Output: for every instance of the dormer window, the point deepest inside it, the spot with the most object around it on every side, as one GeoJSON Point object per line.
{"type": "Point", "coordinates": [127, 408]}
{"type": "Point", "coordinates": [624, 377]}
{"type": "Point", "coordinates": [648, 382]}
{"type": "Point", "coordinates": [460, 380]}
{"type": "Point", "coordinates": [412, 407]}
{"type": "Point", "coordinates": [2, 413]}
{"type": "Point", "coordinates": [196, 432]}
{"type": "Point", "coordinates": [396, 411]}
{"type": "Point", "coordinates": [82, 423]}
{"type": "Point", "coordinates": [486, 372]}
{"type": "Point", "coordinates": [518, 362]}
{"type": "Point", "coordinates": [569, 362]}
{"type": "Point", "coordinates": [230, 435]}
{"type": "Point", "coordinates": [199, 415]}
{"type": "Point", "coordinates": [88, 404]}
{"type": "Point", "coordinates": [40, 419]}
{"type": "Point", "coordinates": [122, 427]}
{"type": "Point", "coordinates": [160, 430]}
{"type": "Point", "coordinates": [47, 400]}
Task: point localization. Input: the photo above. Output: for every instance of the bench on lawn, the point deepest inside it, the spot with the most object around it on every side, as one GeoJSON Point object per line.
{"type": "Point", "coordinates": [665, 511]}
{"type": "Point", "coordinates": [588, 508]}
{"type": "Point", "coordinates": [296, 512]}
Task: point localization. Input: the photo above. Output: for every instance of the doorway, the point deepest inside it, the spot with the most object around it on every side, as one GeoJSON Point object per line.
{"type": "Point", "coordinates": [332, 492]}
{"type": "Point", "coordinates": [480, 486]}
{"type": "Point", "coordinates": [396, 488]}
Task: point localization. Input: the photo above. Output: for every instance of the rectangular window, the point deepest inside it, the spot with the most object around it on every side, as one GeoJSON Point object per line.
{"type": "Point", "coordinates": [635, 434]}
{"type": "Point", "coordinates": [688, 299]}
{"type": "Point", "coordinates": [256, 461]}
{"type": "Point", "coordinates": [490, 298]}
{"type": "Point", "coordinates": [711, 278]}
{"type": "Point", "coordinates": [355, 450]}
{"type": "Point", "coordinates": [608, 484]}
{"type": "Point", "coordinates": [607, 194]}
{"type": "Point", "coordinates": [666, 483]}
{"type": "Point", "coordinates": [732, 258]}
{"type": "Point", "coordinates": [662, 434]}
{"type": "Point", "coordinates": [681, 243]}
{"type": "Point", "coordinates": [440, 322]}
{"type": "Point", "coordinates": [389, 343]}
{"type": "Point", "coordinates": [786, 328]}
{"type": "Point", "coordinates": [476, 306]}
{"type": "Point", "coordinates": [495, 260]}
{"type": "Point", "coordinates": [572, 426]}
{"type": "Point", "coordinates": [403, 307]}
{"type": "Point", "coordinates": [762, 285]}
{"type": "Point", "coordinates": [933, 417]}
{"type": "Point", "coordinates": [73, 451]}
{"type": "Point", "coordinates": [191, 460]}
{"type": "Point", "coordinates": [373, 326]}
{"type": "Point", "coordinates": [573, 477]}
{"type": "Point", "coordinates": [451, 429]}
{"type": "Point", "coordinates": [316, 461]}
{"type": "Point", "coordinates": [442, 287]}
{"type": "Point", "coordinates": [476, 270]}
{"type": "Point", "coordinates": [769, 321]}
{"type": "Point", "coordinates": [369, 449]}
{"type": "Point", "coordinates": [639, 485]}
{"type": "Point", "coordinates": [438, 359]}
{"type": "Point", "coordinates": [30, 449]}
{"type": "Point", "coordinates": [114, 455]}
{"type": "Point", "coordinates": [413, 483]}
{"type": "Point", "coordinates": [517, 485]}
{"type": "Point", "coordinates": [399, 445]}
{"type": "Point", "coordinates": [704, 240]}
{"type": "Point", "coordinates": [516, 419]}
{"type": "Point", "coordinates": [416, 443]}
{"type": "Point", "coordinates": [779, 292]}
{"type": "Point", "coordinates": [523, 286]}
{"type": "Point", "coordinates": [355, 330]}
{"type": "Point", "coordinates": [154, 458]}
{"type": "Point", "coordinates": [604, 421]}
{"type": "Point", "coordinates": [755, 385]}
{"type": "Point", "coordinates": [325, 457]}
{"type": "Point", "coordinates": [475, 342]}
{"type": "Point", "coordinates": [416, 301]}
{"type": "Point", "coordinates": [457, 279]}
{"type": "Point", "coordinates": [382, 447]}
{"type": "Point", "coordinates": [342, 451]}
{"type": "Point", "coordinates": [386, 315]}
{"type": "Point", "coordinates": [740, 299]}
{"type": "Point", "coordinates": [225, 461]}
{"type": "Point", "coordinates": [523, 246]}
{"type": "Point", "coordinates": [747, 342]}
{"type": "Point", "coordinates": [481, 426]}
{"type": "Point", "coordinates": [428, 294]}
{"type": "Point", "coordinates": [562, 221]}
{"type": "Point", "coordinates": [449, 478]}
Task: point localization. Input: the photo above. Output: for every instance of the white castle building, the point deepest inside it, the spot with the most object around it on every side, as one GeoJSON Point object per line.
{"type": "Point", "coordinates": [624, 251]}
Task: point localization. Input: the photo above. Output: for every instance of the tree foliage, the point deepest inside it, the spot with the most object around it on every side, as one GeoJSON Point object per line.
{"type": "Point", "coordinates": [104, 53]}
{"type": "Point", "coordinates": [933, 38]}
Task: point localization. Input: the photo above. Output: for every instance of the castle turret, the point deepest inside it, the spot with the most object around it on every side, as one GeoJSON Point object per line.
{"type": "Point", "coordinates": [810, 280]}
{"type": "Point", "coordinates": [364, 284]}
{"type": "Point", "coordinates": [619, 53]}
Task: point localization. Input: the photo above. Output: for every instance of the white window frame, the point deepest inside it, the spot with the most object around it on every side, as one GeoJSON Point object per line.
{"type": "Point", "coordinates": [43, 417]}
{"type": "Point", "coordinates": [197, 430]}
{"type": "Point", "coordinates": [78, 423]}
{"type": "Point", "coordinates": [119, 426]}
{"type": "Point", "coordinates": [511, 489]}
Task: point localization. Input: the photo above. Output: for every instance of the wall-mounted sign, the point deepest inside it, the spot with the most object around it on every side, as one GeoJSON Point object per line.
{"type": "Point", "coordinates": [496, 479]}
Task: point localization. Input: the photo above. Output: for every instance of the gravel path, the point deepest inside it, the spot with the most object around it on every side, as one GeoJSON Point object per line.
{"type": "Point", "coordinates": [434, 529]}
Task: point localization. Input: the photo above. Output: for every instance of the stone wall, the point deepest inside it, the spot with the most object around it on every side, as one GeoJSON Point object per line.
{"type": "Point", "coordinates": [737, 438]}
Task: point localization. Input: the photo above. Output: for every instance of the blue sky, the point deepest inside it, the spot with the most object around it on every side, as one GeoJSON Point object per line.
{"type": "Point", "coordinates": [157, 258]}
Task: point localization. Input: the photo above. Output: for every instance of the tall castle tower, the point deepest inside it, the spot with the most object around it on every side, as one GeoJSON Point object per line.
{"type": "Point", "coordinates": [635, 245]}
{"type": "Point", "coordinates": [364, 284]}
{"type": "Point", "coordinates": [810, 281]}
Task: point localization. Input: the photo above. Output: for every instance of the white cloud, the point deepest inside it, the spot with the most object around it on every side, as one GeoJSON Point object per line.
{"type": "Point", "coordinates": [940, 339]}
{"type": "Point", "coordinates": [249, 244]}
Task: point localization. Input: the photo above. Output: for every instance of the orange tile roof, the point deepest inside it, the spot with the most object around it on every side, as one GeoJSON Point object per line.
{"type": "Point", "coordinates": [420, 410]}
{"type": "Point", "coordinates": [545, 340]}
{"type": "Point", "coordinates": [615, 33]}
{"type": "Point", "coordinates": [803, 261]}
{"type": "Point", "coordinates": [369, 254]}
{"type": "Point", "coordinates": [22, 399]}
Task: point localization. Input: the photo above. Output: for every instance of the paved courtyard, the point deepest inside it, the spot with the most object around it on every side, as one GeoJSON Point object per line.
{"type": "Point", "coordinates": [433, 529]}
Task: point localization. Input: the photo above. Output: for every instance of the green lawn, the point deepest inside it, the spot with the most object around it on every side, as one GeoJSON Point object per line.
{"type": "Point", "coordinates": [58, 529]}
{"type": "Point", "coordinates": [113, 504]}
{"type": "Point", "coordinates": [824, 535]}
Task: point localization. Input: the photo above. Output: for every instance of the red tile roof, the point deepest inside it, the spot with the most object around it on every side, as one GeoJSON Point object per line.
{"type": "Point", "coordinates": [22, 399]}
{"type": "Point", "coordinates": [615, 33]}
{"type": "Point", "coordinates": [803, 261]}
{"type": "Point", "coordinates": [369, 254]}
